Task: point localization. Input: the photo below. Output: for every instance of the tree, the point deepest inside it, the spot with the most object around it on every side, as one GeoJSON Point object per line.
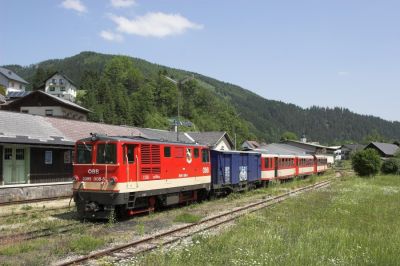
{"type": "Point", "coordinates": [366, 162]}
{"type": "Point", "coordinates": [391, 166]}
{"type": "Point", "coordinates": [2, 90]}
{"type": "Point", "coordinates": [289, 136]}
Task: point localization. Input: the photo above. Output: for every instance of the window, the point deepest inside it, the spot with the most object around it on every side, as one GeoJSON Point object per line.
{"type": "Point", "coordinates": [20, 154]}
{"type": "Point", "coordinates": [52, 88]}
{"type": "Point", "coordinates": [62, 88]}
{"type": "Point", "coordinates": [67, 157]}
{"type": "Point", "coordinates": [25, 111]}
{"type": "Point", "coordinates": [204, 156]}
{"type": "Point", "coordinates": [130, 149]}
{"type": "Point", "coordinates": [61, 81]}
{"type": "Point", "coordinates": [266, 163]}
{"type": "Point", "coordinates": [20, 86]}
{"type": "Point", "coordinates": [106, 153]}
{"type": "Point", "coordinates": [48, 157]}
{"type": "Point", "coordinates": [167, 152]}
{"type": "Point", "coordinates": [7, 154]}
{"type": "Point", "coordinates": [49, 112]}
{"type": "Point", "coordinates": [196, 153]}
{"type": "Point", "coordinates": [84, 153]}
{"type": "Point", "coordinates": [54, 81]}
{"type": "Point", "coordinates": [11, 84]}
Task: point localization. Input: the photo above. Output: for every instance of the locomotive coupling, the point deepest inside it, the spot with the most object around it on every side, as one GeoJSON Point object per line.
{"type": "Point", "coordinates": [91, 207]}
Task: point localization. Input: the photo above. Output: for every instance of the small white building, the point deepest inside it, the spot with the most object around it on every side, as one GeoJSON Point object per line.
{"type": "Point", "coordinates": [11, 81]}
{"type": "Point", "coordinates": [60, 86]}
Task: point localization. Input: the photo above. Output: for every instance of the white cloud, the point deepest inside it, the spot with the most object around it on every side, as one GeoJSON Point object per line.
{"type": "Point", "coordinates": [154, 24]}
{"type": "Point", "coordinates": [343, 73]}
{"type": "Point", "coordinates": [122, 3]}
{"type": "Point", "coordinates": [74, 5]}
{"type": "Point", "coordinates": [111, 36]}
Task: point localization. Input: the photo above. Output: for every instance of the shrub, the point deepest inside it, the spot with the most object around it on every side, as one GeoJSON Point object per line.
{"type": "Point", "coordinates": [366, 162]}
{"type": "Point", "coordinates": [391, 166]}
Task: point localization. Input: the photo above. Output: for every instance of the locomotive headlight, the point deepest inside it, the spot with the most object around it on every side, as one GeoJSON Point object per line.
{"type": "Point", "coordinates": [113, 180]}
{"type": "Point", "coordinates": [75, 178]}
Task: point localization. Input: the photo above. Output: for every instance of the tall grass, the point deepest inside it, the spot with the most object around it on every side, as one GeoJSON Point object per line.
{"type": "Point", "coordinates": [353, 223]}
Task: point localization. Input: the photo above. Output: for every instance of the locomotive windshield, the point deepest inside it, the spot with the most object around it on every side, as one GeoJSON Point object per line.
{"type": "Point", "coordinates": [106, 154]}
{"type": "Point", "coordinates": [84, 153]}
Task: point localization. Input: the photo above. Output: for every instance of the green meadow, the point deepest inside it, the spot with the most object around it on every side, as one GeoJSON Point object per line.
{"type": "Point", "coordinates": [356, 221]}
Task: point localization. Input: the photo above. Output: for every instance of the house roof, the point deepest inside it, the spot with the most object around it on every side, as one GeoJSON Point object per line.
{"type": "Point", "coordinates": [386, 148]}
{"type": "Point", "coordinates": [57, 99]}
{"type": "Point", "coordinates": [211, 138]}
{"type": "Point", "coordinates": [74, 130]}
{"type": "Point", "coordinates": [61, 74]}
{"type": "Point", "coordinates": [353, 147]}
{"type": "Point", "coordinates": [250, 144]}
{"type": "Point", "coordinates": [33, 129]}
{"type": "Point", "coordinates": [11, 75]}
{"type": "Point", "coordinates": [164, 135]}
{"type": "Point", "coordinates": [30, 129]}
{"type": "Point", "coordinates": [17, 94]}
{"type": "Point", "coordinates": [282, 149]}
{"type": "Point", "coordinates": [307, 144]}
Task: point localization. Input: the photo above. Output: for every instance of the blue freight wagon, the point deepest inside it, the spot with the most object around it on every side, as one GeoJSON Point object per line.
{"type": "Point", "coordinates": [235, 171]}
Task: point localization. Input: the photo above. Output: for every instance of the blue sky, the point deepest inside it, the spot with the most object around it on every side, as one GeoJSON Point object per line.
{"type": "Point", "coordinates": [310, 52]}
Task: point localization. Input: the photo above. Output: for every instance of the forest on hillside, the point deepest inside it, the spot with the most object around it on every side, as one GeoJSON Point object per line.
{"type": "Point", "coordinates": [131, 91]}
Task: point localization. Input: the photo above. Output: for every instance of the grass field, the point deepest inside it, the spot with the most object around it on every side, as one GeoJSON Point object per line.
{"type": "Point", "coordinates": [354, 222]}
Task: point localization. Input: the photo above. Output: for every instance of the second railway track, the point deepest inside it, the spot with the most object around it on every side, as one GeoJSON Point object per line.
{"type": "Point", "coordinates": [125, 251]}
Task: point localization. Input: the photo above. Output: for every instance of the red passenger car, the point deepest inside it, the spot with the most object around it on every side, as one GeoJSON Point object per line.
{"type": "Point", "coordinates": [131, 175]}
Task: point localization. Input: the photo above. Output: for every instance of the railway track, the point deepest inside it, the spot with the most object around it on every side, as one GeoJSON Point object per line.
{"type": "Point", "coordinates": [32, 201]}
{"type": "Point", "coordinates": [33, 211]}
{"type": "Point", "coordinates": [15, 238]}
{"type": "Point", "coordinates": [131, 249]}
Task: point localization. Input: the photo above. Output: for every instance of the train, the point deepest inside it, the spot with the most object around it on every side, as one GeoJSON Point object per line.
{"type": "Point", "coordinates": [124, 176]}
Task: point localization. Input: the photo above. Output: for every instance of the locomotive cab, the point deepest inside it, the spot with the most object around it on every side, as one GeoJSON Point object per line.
{"type": "Point", "coordinates": [96, 178]}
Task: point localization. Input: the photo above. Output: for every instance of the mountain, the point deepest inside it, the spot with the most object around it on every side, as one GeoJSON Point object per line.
{"type": "Point", "coordinates": [237, 110]}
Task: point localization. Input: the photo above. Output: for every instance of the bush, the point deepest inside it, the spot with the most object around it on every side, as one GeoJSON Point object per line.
{"type": "Point", "coordinates": [391, 166]}
{"type": "Point", "coordinates": [366, 162]}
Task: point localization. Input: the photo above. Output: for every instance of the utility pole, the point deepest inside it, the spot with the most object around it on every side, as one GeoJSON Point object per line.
{"type": "Point", "coordinates": [178, 84]}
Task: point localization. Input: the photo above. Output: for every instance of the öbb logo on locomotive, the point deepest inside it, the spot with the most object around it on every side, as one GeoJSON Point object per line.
{"type": "Point", "coordinates": [93, 171]}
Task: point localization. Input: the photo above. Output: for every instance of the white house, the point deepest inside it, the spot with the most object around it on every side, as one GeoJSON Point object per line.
{"type": "Point", "coordinates": [44, 104]}
{"type": "Point", "coordinates": [11, 81]}
{"type": "Point", "coordinates": [60, 86]}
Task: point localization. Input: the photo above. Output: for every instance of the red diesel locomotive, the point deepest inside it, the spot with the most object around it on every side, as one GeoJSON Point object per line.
{"type": "Point", "coordinates": [132, 175]}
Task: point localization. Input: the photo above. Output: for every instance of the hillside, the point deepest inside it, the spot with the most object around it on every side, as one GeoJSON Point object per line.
{"type": "Point", "coordinates": [234, 109]}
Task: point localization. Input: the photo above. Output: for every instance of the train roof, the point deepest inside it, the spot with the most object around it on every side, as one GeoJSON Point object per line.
{"type": "Point", "coordinates": [96, 137]}
{"type": "Point", "coordinates": [281, 149]}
